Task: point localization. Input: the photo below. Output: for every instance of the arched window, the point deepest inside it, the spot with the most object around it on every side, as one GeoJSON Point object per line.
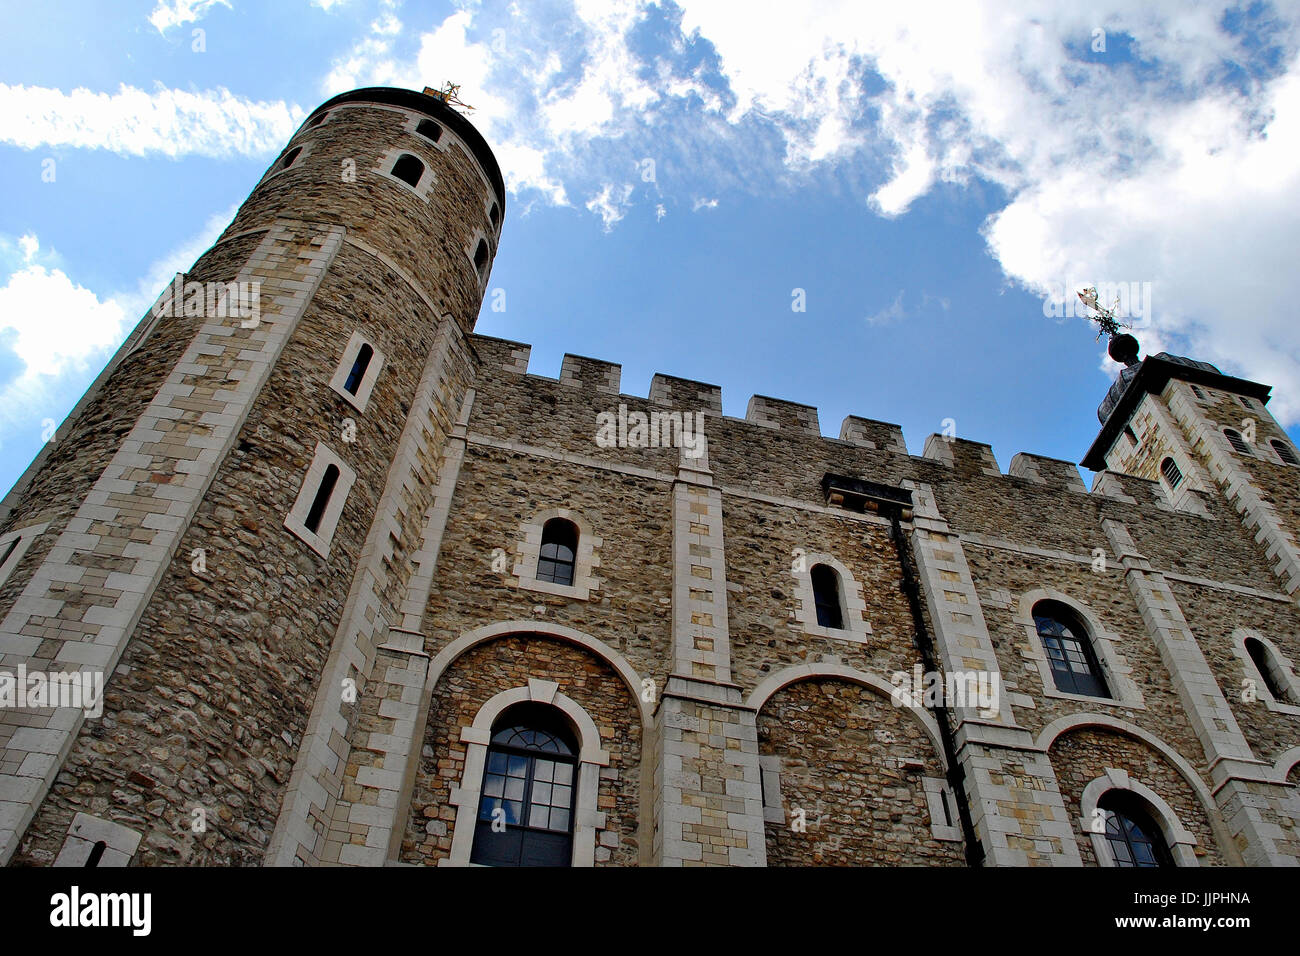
{"type": "Point", "coordinates": [1169, 469]}
{"type": "Point", "coordinates": [556, 558]}
{"type": "Point", "coordinates": [317, 119]}
{"type": "Point", "coordinates": [1134, 838]}
{"type": "Point", "coordinates": [1198, 393]}
{"type": "Point", "coordinates": [359, 368]}
{"type": "Point", "coordinates": [481, 257]}
{"type": "Point", "coordinates": [408, 169]}
{"type": "Point", "coordinates": [826, 595]}
{"type": "Point", "coordinates": [289, 157]}
{"type": "Point", "coordinates": [494, 215]}
{"type": "Point", "coordinates": [1069, 650]}
{"type": "Point", "coordinates": [429, 130]}
{"type": "Point", "coordinates": [1263, 662]}
{"type": "Point", "coordinates": [1131, 435]}
{"type": "Point", "coordinates": [525, 814]}
{"type": "Point", "coordinates": [1235, 440]}
{"type": "Point", "coordinates": [322, 498]}
{"type": "Point", "coordinates": [1245, 403]}
{"type": "Point", "coordinates": [1284, 451]}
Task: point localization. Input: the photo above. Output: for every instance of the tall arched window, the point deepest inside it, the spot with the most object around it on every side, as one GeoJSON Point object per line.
{"type": "Point", "coordinates": [525, 815]}
{"type": "Point", "coordinates": [555, 560]}
{"type": "Point", "coordinates": [408, 169]}
{"type": "Point", "coordinates": [289, 157]}
{"type": "Point", "coordinates": [494, 215]}
{"type": "Point", "coordinates": [1263, 662]}
{"type": "Point", "coordinates": [481, 258]}
{"type": "Point", "coordinates": [1169, 468]}
{"type": "Point", "coordinates": [359, 367]}
{"type": "Point", "coordinates": [1069, 650]}
{"type": "Point", "coordinates": [1134, 838]}
{"type": "Point", "coordinates": [1284, 451]}
{"type": "Point", "coordinates": [1236, 441]}
{"type": "Point", "coordinates": [826, 595]}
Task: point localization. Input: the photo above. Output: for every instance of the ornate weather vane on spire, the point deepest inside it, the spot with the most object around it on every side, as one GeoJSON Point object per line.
{"type": "Point", "coordinates": [1123, 347]}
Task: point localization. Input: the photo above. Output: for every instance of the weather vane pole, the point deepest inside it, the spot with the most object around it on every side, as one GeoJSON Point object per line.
{"type": "Point", "coordinates": [449, 93]}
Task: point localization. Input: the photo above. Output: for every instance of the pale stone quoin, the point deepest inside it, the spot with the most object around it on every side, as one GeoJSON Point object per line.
{"type": "Point", "coordinates": [452, 611]}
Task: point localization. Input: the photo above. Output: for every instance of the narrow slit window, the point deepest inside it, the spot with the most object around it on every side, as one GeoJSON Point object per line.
{"type": "Point", "coordinates": [1261, 658]}
{"type": "Point", "coordinates": [408, 169]}
{"type": "Point", "coordinates": [359, 369]}
{"type": "Point", "coordinates": [429, 130]}
{"type": "Point", "coordinates": [826, 595]}
{"type": "Point", "coordinates": [1284, 451]}
{"type": "Point", "coordinates": [1236, 441]}
{"type": "Point", "coordinates": [322, 499]}
{"type": "Point", "coordinates": [494, 215]}
{"type": "Point", "coordinates": [290, 156]}
{"type": "Point", "coordinates": [1130, 435]}
{"type": "Point", "coordinates": [96, 853]}
{"type": "Point", "coordinates": [481, 257]}
{"type": "Point", "coordinates": [1169, 469]}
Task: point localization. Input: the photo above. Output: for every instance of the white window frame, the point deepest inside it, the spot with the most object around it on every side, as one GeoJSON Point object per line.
{"type": "Point", "coordinates": [769, 767]}
{"type": "Point", "coordinates": [361, 399]}
{"type": "Point", "coordinates": [1283, 671]}
{"type": "Point", "coordinates": [1114, 668]}
{"type": "Point", "coordinates": [936, 792]}
{"type": "Point", "coordinates": [24, 537]}
{"type": "Point", "coordinates": [852, 605]}
{"type": "Point", "coordinates": [1180, 841]}
{"type": "Point", "coordinates": [296, 521]}
{"type": "Point", "coordinates": [528, 548]}
{"type": "Point", "coordinates": [86, 830]}
{"type": "Point", "coordinates": [587, 818]}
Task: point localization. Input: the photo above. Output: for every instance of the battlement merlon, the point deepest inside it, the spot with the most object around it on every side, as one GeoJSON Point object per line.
{"type": "Point", "coordinates": [593, 373]}
{"type": "Point", "coordinates": [868, 433]}
{"type": "Point", "coordinates": [685, 394]}
{"type": "Point", "coordinates": [1051, 472]}
{"type": "Point", "coordinates": [781, 414]}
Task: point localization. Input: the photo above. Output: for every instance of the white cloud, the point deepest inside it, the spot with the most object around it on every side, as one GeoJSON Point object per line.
{"type": "Point", "coordinates": [702, 203]}
{"type": "Point", "coordinates": [174, 13]}
{"type": "Point", "coordinates": [1172, 163]}
{"type": "Point", "coordinates": [891, 313]}
{"type": "Point", "coordinates": [62, 332]}
{"type": "Point", "coordinates": [610, 204]}
{"type": "Point", "coordinates": [135, 123]}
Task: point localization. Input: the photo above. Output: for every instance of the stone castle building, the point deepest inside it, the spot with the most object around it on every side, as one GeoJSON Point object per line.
{"type": "Point", "coordinates": [363, 590]}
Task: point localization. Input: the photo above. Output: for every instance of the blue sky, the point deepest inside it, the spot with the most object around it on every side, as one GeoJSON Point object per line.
{"type": "Point", "coordinates": [933, 177]}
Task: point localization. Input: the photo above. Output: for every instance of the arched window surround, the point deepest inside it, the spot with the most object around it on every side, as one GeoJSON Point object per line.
{"type": "Point", "coordinates": [1114, 667]}
{"type": "Point", "coordinates": [428, 179]}
{"type": "Point", "coordinates": [1236, 443]}
{"type": "Point", "coordinates": [586, 559]}
{"type": "Point", "coordinates": [1283, 671]}
{"type": "Point", "coordinates": [1278, 444]}
{"type": "Point", "coordinates": [296, 521]}
{"type": "Point", "coordinates": [304, 149]}
{"type": "Point", "coordinates": [853, 606]}
{"type": "Point", "coordinates": [1180, 841]}
{"type": "Point", "coordinates": [587, 819]}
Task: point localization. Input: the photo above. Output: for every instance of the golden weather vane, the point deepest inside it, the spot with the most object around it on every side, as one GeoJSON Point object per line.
{"type": "Point", "coordinates": [449, 93]}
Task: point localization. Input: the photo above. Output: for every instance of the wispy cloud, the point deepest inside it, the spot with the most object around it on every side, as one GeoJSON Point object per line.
{"type": "Point", "coordinates": [175, 13]}
{"type": "Point", "coordinates": [133, 122]}
{"type": "Point", "coordinates": [893, 312]}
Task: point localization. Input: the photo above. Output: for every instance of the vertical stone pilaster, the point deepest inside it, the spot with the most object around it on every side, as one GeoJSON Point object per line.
{"type": "Point", "coordinates": [1015, 801]}
{"type": "Point", "coordinates": [708, 800]}
{"type": "Point", "coordinates": [1261, 813]}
